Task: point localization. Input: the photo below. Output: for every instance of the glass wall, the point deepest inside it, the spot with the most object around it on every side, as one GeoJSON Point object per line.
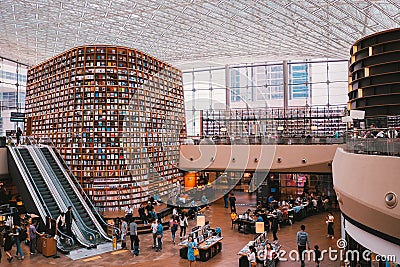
{"type": "Point", "coordinates": [12, 93]}
{"type": "Point", "coordinates": [310, 82]}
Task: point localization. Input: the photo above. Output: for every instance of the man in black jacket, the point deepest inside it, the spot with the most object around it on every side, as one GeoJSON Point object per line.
{"type": "Point", "coordinates": [69, 217]}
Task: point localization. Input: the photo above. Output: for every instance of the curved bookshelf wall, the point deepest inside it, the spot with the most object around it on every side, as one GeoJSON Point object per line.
{"type": "Point", "coordinates": [116, 115]}
{"type": "Point", "coordinates": [374, 74]}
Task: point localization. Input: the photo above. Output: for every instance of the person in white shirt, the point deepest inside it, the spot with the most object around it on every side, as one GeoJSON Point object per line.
{"type": "Point", "coordinates": [175, 212]}
{"type": "Point", "coordinates": [128, 213]}
{"type": "Point", "coordinates": [60, 223]}
{"type": "Point", "coordinates": [183, 224]}
{"type": "Point", "coordinates": [124, 231]}
{"type": "Point", "coordinates": [251, 256]}
{"type": "Point", "coordinates": [154, 226]}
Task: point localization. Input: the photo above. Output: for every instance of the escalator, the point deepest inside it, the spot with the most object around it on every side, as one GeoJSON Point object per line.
{"type": "Point", "coordinates": [40, 183]}
{"type": "Point", "coordinates": [74, 198]}
{"type": "Point", "coordinates": [37, 195]}
{"type": "Point", "coordinates": [52, 188]}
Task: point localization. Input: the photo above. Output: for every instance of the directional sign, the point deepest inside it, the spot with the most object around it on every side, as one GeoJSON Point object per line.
{"type": "Point", "coordinates": [18, 114]}
{"type": "Point", "coordinates": [17, 119]}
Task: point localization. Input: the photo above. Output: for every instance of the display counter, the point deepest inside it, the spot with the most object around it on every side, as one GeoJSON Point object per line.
{"type": "Point", "coordinates": [259, 243]}
{"type": "Point", "coordinates": [207, 249]}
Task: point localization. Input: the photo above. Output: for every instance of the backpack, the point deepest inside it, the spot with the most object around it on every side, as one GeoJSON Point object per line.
{"type": "Point", "coordinates": [302, 238]}
{"type": "Point", "coordinates": [23, 235]}
{"type": "Point", "coordinates": [174, 227]}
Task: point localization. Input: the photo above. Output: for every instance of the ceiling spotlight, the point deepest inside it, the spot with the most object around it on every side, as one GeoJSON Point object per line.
{"type": "Point", "coordinates": [279, 160]}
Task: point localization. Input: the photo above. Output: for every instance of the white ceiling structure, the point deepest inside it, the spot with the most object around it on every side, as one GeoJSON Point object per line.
{"type": "Point", "coordinates": [190, 32]}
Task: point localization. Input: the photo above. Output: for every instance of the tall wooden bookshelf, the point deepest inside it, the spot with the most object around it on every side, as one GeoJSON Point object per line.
{"type": "Point", "coordinates": [116, 115]}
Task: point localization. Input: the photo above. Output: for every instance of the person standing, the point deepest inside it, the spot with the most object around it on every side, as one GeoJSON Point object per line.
{"type": "Point", "coordinates": [32, 236]}
{"type": "Point", "coordinates": [174, 227]}
{"type": "Point", "coordinates": [17, 235]}
{"type": "Point", "coordinates": [275, 227]}
{"type": "Point", "coordinates": [128, 213]}
{"type": "Point", "coordinates": [190, 254]}
{"type": "Point", "coordinates": [302, 240]}
{"type": "Point", "coordinates": [18, 135]}
{"type": "Point", "coordinates": [251, 256]}
{"type": "Point", "coordinates": [136, 242]}
{"type": "Point", "coordinates": [69, 217]}
{"type": "Point", "coordinates": [61, 222]}
{"type": "Point", "coordinates": [154, 232]}
{"type": "Point", "coordinates": [226, 199]}
{"type": "Point", "coordinates": [160, 234]}
{"type": "Point", "coordinates": [270, 255]}
{"type": "Point", "coordinates": [232, 202]}
{"type": "Point", "coordinates": [183, 224]}
{"type": "Point", "coordinates": [132, 233]}
{"type": "Point", "coordinates": [142, 214]}
{"type": "Point", "coordinates": [124, 232]}
{"type": "Point", "coordinates": [329, 220]}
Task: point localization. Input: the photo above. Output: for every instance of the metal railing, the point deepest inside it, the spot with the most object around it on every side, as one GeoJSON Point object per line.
{"type": "Point", "coordinates": [373, 146]}
{"type": "Point", "coordinates": [260, 140]}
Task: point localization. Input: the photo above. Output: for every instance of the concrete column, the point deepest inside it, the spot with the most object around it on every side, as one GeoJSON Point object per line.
{"type": "Point", "coordinates": [227, 87]}
{"type": "Point", "coordinates": [285, 85]}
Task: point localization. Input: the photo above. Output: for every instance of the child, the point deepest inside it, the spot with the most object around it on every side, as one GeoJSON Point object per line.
{"type": "Point", "coordinates": [317, 255]}
{"type": "Point", "coordinates": [136, 245]}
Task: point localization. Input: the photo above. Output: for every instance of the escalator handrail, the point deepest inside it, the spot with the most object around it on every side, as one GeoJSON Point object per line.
{"type": "Point", "coordinates": [82, 192]}
{"type": "Point", "coordinates": [62, 193]}
{"type": "Point", "coordinates": [32, 185]}
{"type": "Point", "coordinates": [81, 238]}
{"type": "Point", "coordinates": [66, 195]}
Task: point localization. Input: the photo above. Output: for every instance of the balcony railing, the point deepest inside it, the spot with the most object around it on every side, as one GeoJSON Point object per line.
{"type": "Point", "coordinates": [260, 140]}
{"type": "Point", "coordinates": [374, 146]}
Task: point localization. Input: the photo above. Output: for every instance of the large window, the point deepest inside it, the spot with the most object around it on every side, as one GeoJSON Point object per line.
{"type": "Point", "coordinates": [311, 82]}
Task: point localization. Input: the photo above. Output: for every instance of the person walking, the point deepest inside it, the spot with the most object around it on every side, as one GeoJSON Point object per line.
{"type": "Point", "coordinates": [124, 232]}
{"type": "Point", "coordinates": [232, 202]}
{"type": "Point", "coordinates": [329, 220]}
{"type": "Point", "coordinates": [32, 236]}
{"type": "Point", "coordinates": [17, 235]}
{"type": "Point", "coordinates": [132, 233]}
{"type": "Point", "coordinates": [302, 240]}
{"type": "Point", "coordinates": [190, 254]}
{"type": "Point", "coordinates": [317, 255]}
{"type": "Point", "coordinates": [8, 242]}
{"type": "Point", "coordinates": [154, 232]}
{"type": "Point", "coordinates": [160, 234]}
{"type": "Point", "coordinates": [174, 227]}
{"type": "Point", "coordinates": [69, 217]}
{"type": "Point", "coordinates": [183, 224]}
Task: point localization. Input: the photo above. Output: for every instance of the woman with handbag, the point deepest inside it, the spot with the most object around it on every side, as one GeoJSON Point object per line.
{"type": "Point", "coordinates": [191, 254]}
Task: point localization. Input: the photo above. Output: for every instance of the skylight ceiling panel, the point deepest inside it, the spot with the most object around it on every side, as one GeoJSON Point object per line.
{"type": "Point", "coordinates": [385, 14]}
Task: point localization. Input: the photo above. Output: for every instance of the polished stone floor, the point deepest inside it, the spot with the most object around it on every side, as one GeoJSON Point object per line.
{"type": "Point", "coordinates": [231, 244]}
